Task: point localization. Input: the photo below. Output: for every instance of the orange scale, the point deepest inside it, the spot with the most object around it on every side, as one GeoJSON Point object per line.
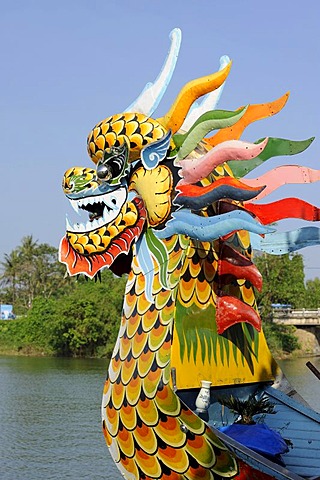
{"type": "Point", "coordinates": [157, 337]}
{"type": "Point", "coordinates": [176, 459]}
{"type": "Point", "coordinates": [112, 421]}
{"type": "Point", "coordinates": [226, 463]}
{"type": "Point", "coordinates": [194, 269]}
{"type": "Point", "coordinates": [146, 439]}
{"type": "Point", "coordinates": [133, 391]}
{"type": "Point", "coordinates": [166, 374]}
{"type": "Point", "coordinates": [148, 412]}
{"type": "Point", "coordinates": [114, 369]}
{"type": "Point", "coordinates": [192, 422]}
{"type": "Point", "coordinates": [138, 343]}
{"type": "Point", "coordinates": [248, 295]}
{"type": "Point", "coordinates": [133, 323]}
{"type": "Point", "coordinates": [149, 319]}
{"type": "Point", "coordinates": [127, 370]}
{"type": "Point", "coordinates": [199, 473]}
{"type": "Point", "coordinates": [129, 465]}
{"type": "Point", "coordinates": [170, 432]}
{"type": "Point", "coordinates": [126, 442]}
{"type": "Point", "coordinates": [186, 290]}
{"type": "Point", "coordinates": [124, 348]}
{"type": "Point", "coordinates": [162, 299]}
{"type": "Point", "coordinates": [202, 451]}
{"type": "Point", "coordinates": [143, 305]}
{"type": "Point", "coordinates": [166, 313]}
{"type": "Point", "coordinates": [118, 392]}
{"type": "Point", "coordinates": [167, 401]}
{"type": "Point", "coordinates": [244, 238]}
{"type": "Point", "coordinates": [107, 435]}
{"type": "Point", "coordinates": [210, 270]}
{"type": "Point", "coordinates": [156, 285]}
{"type": "Point", "coordinates": [203, 290]}
{"type": "Point", "coordinates": [163, 354]}
{"type": "Point", "coordinates": [148, 464]}
{"type": "Point", "coordinates": [174, 277]}
{"type": "Point", "coordinates": [140, 286]}
{"type": "Point", "coordinates": [214, 439]}
{"type": "Point", "coordinates": [172, 476]}
{"type": "Point", "coordinates": [129, 305]}
{"type": "Point", "coordinates": [150, 383]}
{"type": "Point", "coordinates": [145, 362]}
{"type": "Point", "coordinates": [106, 391]}
{"type": "Point", "coordinates": [128, 417]}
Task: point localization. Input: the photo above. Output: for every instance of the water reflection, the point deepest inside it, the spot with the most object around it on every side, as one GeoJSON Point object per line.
{"type": "Point", "coordinates": [303, 380]}
{"type": "Point", "coordinates": [50, 416]}
{"type": "Point", "coordinates": [50, 420]}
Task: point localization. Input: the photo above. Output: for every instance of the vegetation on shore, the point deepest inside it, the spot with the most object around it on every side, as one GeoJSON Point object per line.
{"type": "Point", "coordinates": [70, 317]}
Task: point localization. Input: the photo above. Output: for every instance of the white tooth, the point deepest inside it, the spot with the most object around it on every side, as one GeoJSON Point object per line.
{"type": "Point", "coordinates": [74, 205]}
{"type": "Point", "coordinates": [68, 226]}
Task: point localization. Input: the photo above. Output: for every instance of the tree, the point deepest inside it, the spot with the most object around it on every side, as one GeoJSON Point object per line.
{"type": "Point", "coordinates": [283, 281]}
{"type": "Point", "coordinates": [8, 279]}
{"type": "Point", "coordinates": [313, 293]}
{"type": "Point", "coordinates": [31, 270]}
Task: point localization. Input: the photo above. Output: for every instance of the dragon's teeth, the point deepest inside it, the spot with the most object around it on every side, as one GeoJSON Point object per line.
{"type": "Point", "coordinates": [74, 205]}
{"type": "Point", "coordinates": [68, 226]}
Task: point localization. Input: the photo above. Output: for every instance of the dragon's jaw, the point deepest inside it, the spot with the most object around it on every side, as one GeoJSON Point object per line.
{"type": "Point", "coordinates": [114, 225]}
{"type": "Point", "coordinates": [102, 210]}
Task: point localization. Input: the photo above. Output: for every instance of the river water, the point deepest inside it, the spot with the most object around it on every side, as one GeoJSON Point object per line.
{"type": "Point", "coordinates": [50, 417]}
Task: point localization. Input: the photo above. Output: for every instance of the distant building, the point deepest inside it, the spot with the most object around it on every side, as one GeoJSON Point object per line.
{"type": "Point", "coordinates": [6, 312]}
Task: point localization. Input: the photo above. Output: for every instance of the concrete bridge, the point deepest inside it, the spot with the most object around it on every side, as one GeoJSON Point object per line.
{"type": "Point", "coordinates": [299, 318]}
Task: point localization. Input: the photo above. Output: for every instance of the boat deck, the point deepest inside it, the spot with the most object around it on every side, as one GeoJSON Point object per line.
{"type": "Point", "coordinates": [294, 421]}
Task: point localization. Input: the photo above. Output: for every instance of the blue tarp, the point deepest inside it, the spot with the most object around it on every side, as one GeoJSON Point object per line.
{"type": "Point", "coordinates": [258, 437]}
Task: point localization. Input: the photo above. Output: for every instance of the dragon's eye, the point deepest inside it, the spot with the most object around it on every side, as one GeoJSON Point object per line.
{"type": "Point", "coordinates": [113, 164]}
{"type": "Point", "coordinates": [104, 172]}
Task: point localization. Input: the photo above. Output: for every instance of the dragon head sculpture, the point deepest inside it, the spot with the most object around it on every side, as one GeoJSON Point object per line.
{"type": "Point", "coordinates": [164, 203]}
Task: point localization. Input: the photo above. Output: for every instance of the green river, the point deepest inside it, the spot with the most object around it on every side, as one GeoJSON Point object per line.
{"type": "Point", "coordinates": [50, 416]}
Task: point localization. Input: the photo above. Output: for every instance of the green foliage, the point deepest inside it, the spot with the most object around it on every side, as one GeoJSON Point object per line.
{"type": "Point", "coordinates": [83, 322]}
{"type": "Point", "coordinates": [246, 409]}
{"type": "Point", "coordinates": [283, 282]}
{"type": "Point", "coordinates": [281, 338]}
{"type": "Point", "coordinates": [31, 270]}
{"type": "Point", "coordinates": [312, 300]}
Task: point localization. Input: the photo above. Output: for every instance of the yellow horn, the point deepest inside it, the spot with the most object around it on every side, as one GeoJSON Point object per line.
{"type": "Point", "coordinates": [189, 94]}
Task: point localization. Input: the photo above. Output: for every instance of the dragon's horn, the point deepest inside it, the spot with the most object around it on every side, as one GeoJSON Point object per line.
{"type": "Point", "coordinates": [209, 102]}
{"type": "Point", "coordinates": [152, 93]}
{"type": "Point", "coordinates": [188, 94]}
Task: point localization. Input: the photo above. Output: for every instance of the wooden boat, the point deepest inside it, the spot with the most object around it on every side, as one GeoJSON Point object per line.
{"type": "Point", "coordinates": [166, 206]}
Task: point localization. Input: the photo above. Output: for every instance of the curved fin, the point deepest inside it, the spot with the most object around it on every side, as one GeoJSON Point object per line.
{"type": "Point", "coordinates": [286, 242]}
{"type": "Point", "coordinates": [193, 171]}
{"type": "Point", "coordinates": [231, 310]}
{"type": "Point", "coordinates": [209, 121]}
{"type": "Point", "coordinates": [189, 93]}
{"type": "Point", "coordinates": [286, 208]}
{"type": "Point", "coordinates": [209, 102]}
{"type": "Point", "coordinates": [152, 94]}
{"type": "Point", "coordinates": [210, 228]}
{"type": "Point", "coordinates": [254, 112]}
{"type": "Point", "coordinates": [196, 197]}
{"type": "Point", "coordinates": [275, 147]}
{"type": "Point", "coordinates": [285, 174]}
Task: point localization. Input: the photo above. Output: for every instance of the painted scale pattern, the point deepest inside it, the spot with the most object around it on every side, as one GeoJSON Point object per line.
{"type": "Point", "coordinates": [150, 433]}
{"type": "Point", "coordinates": [134, 128]}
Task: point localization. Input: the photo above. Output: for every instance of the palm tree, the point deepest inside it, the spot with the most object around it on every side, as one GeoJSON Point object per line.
{"type": "Point", "coordinates": [10, 272]}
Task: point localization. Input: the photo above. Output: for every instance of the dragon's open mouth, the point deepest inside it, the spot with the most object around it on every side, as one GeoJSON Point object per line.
{"type": "Point", "coordinates": [102, 209]}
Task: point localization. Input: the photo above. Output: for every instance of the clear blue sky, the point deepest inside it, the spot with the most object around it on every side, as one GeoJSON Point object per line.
{"type": "Point", "coordinates": [65, 65]}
